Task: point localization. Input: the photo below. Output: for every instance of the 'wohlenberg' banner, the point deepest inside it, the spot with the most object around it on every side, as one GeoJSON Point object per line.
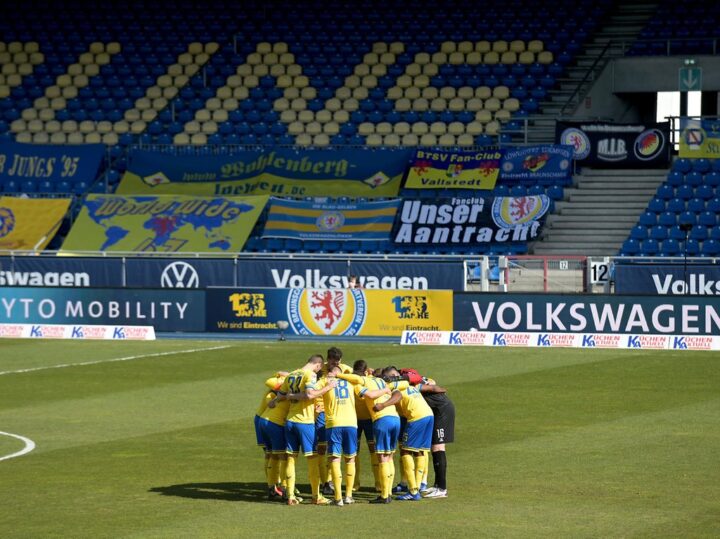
{"type": "Point", "coordinates": [320, 219]}
{"type": "Point", "coordinates": [282, 172]}
{"type": "Point", "coordinates": [699, 138]}
{"type": "Point", "coordinates": [164, 223]}
{"type": "Point", "coordinates": [606, 145]}
{"type": "Point", "coordinates": [538, 163]}
{"type": "Point", "coordinates": [71, 162]}
{"type": "Point", "coordinates": [468, 221]}
{"type": "Point", "coordinates": [454, 170]}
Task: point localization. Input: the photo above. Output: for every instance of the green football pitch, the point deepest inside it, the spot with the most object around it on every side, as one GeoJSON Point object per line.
{"type": "Point", "coordinates": [156, 440]}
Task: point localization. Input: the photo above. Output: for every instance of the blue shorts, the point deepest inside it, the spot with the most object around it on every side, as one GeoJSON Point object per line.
{"type": "Point", "coordinates": [365, 427]}
{"type": "Point", "coordinates": [258, 431]}
{"type": "Point", "coordinates": [386, 431]}
{"type": "Point", "coordinates": [342, 441]}
{"type": "Point", "coordinates": [320, 431]}
{"type": "Point", "coordinates": [273, 436]}
{"type": "Point", "coordinates": [300, 437]}
{"type": "Point", "coordinates": [418, 434]}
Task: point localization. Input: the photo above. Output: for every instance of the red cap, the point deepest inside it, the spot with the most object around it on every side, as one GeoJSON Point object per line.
{"type": "Point", "coordinates": [412, 375]}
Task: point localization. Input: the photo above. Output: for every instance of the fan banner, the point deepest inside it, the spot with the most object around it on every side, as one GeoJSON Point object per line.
{"type": "Point", "coordinates": [700, 138]}
{"type": "Point", "coordinates": [368, 173]}
{"type": "Point", "coordinates": [320, 219]}
{"type": "Point", "coordinates": [607, 145]}
{"type": "Point", "coordinates": [552, 162]}
{"type": "Point", "coordinates": [30, 223]}
{"type": "Point", "coordinates": [164, 223]}
{"type": "Point", "coordinates": [454, 170]}
{"type": "Point", "coordinates": [325, 311]}
{"type": "Point", "coordinates": [469, 221]}
{"type": "Point", "coordinates": [52, 162]}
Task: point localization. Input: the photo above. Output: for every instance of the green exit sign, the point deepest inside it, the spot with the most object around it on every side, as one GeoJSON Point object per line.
{"type": "Point", "coordinates": [690, 79]}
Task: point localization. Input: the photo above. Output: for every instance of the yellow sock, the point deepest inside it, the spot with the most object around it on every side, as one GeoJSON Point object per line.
{"type": "Point", "coordinates": [290, 472]}
{"type": "Point", "coordinates": [314, 473]}
{"type": "Point", "coordinates": [408, 465]}
{"type": "Point", "coordinates": [391, 474]}
{"type": "Point", "coordinates": [420, 459]}
{"type": "Point", "coordinates": [272, 478]}
{"type": "Point", "coordinates": [356, 464]}
{"type": "Point", "coordinates": [268, 467]}
{"type": "Point", "coordinates": [376, 469]}
{"type": "Point", "coordinates": [324, 469]}
{"type": "Point", "coordinates": [336, 473]}
{"type": "Point", "coordinates": [403, 472]}
{"type": "Point", "coordinates": [426, 467]}
{"type": "Point", "coordinates": [282, 471]}
{"type": "Point", "coordinates": [383, 477]}
{"type": "Point", "coordinates": [350, 474]}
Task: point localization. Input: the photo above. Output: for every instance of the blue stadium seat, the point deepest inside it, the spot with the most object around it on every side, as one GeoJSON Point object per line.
{"type": "Point", "coordinates": [695, 204]}
{"type": "Point", "coordinates": [676, 233]}
{"type": "Point", "coordinates": [713, 178]}
{"type": "Point", "coordinates": [650, 247]}
{"type": "Point", "coordinates": [639, 232]}
{"type": "Point", "coordinates": [667, 218]}
{"type": "Point", "coordinates": [710, 247]}
{"type": "Point", "coordinates": [701, 165]}
{"type": "Point", "coordinates": [675, 178]}
{"type": "Point", "coordinates": [708, 218]}
{"type": "Point", "coordinates": [692, 247]}
{"type": "Point", "coordinates": [685, 192]}
{"type": "Point", "coordinates": [665, 192]}
{"type": "Point", "coordinates": [699, 233]}
{"type": "Point", "coordinates": [693, 178]}
{"type": "Point", "coordinates": [658, 232]}
{"type": "Point", "coordinates": [670, 247]}
{"type": "Point", "coordinates": [648, 219]}
{"type": "Point", "coordinates": [687, 218]}
{"type": "Point", "coordinates": [704, 191]}
{"type": "Point", "coordinates": [656, 205]}
{"type": "Point", "coordinates": [682, 165]}
{"type": "Point", "coordinates": [676, 205]}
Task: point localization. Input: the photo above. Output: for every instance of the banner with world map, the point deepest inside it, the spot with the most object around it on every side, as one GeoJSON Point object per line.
{"type": "Point", "coordinates": [365, 173]}
{"type": "Point", "coordinates": [320, 219]}
{"type": "Point", "coordinates": [164, 223]}
{"type": "Point", "coordinates": [30, 223]}
{"type": "Point", "coordinates": [434, 169]}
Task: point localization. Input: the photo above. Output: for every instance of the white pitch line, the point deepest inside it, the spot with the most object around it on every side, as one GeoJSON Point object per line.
{"type": "Point", "coordinates": [127, 358]}
{"type": "Point", "coordinates": [29, 445]}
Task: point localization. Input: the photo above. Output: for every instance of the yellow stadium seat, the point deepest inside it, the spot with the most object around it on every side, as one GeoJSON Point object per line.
{"type": "Point", "coordinates": [374, 140]}
{"type": "Point", "coordinates": [211, 47]}
{"type": "Point", "coordinates": [241, 93]}
{"type": "Point", "coordinates": [321, 139]}
{"type": "Point", "coordinates": [420, 128]}
{"type": "Point", "coordinates": [545, 57]}
{"type": "Point", "coordinates": [430, 70]}
{"type": "Point", "coordinates": [438, 104]}
{"type": "Point", "coordinates": [251, 81]}
{"type": "Point", "coordinates": [198, 139]}
{"type": "Point", "coordinates": [40, 138]}
{"type": "Point", "coordinates": [369, 81]}
{"type": "Point", "coordinates": [439, 58]}
{"type": "Point", "coordinates": [359, 93]}
{"type": "Point", "coordinates": [526, 58]}
{"type": "Point", "coordinates": [298, 104]}
{"type": "Point", "coordinates": [512, 104]}
{"type": "Point", "coordinates": [491, 58]}
{"type": "Point", "coordinates": [401, 128]}
{"type": "Point", "coordinates": [384, 128]}
{"type": "Point", "coordinates": [492, 104]}
{"type": "Point", "coordinates": [306, 116]}
{"type": "Point", "coordinates": [192, 127]}
{"type": "Point", "coordinates": [333, 104]}
{"type": "Point", "coordinates": [420, 105]}
{"type": "Point", "coordinates": [87, 126]}
{"type": "Point", "coordinates": [331, 128]}
{"type": "Point", "coordinates": [283, 81]}
{"type": "Point", "coordinates": [181, 139]}
{"type": "Point", "coordinates": [101, 127]}
{"type": "Point", "coordinates": [410, 139]}
{"type": "Point", "coordinates": [313, 128]}
{"type": "Point", "coordinates": [508, 57]}
{"type": "Point", "coordinates": [29, 114]}
{"type": "Point", "coordinates": [395, 93]}
{"type": "Point", "coordinates": [474, 104]}
{"type": "Point", "coordinates": [31, 46]}
{"type": "Point", "coordinates": [303, 139]}
{"type": "Point", "coordinates": [483, 92]}
{"type": "Point", "coordinates": [456, 104]}
{"type": "Point", "coordinates": [102, 59]}
{"type": "Point", "coordinates": [422, 81]}
{"type": "Point", "coordinates": [288, 116]}
{"type": "Point", "coordinates": [404, 81]}
{"type": "Point", "coordinates": [113, 47]}
{"type": "Point", "coordinates": [535, 46]}
{"type": "Point", "coordinates": [25, 136]}
{"type": "Point", "coordinates": [93, 138]}
{"type": "Point", "coordinates": [428, 139]}
{"type": "Point", "coordinates": [397, 47]}
{"type": "Point", "coordinates": [213, 103]}
{"type": "Point", "coordinates": [492, 128]}
{"type": "Point", "coordinates": [517, 46]}
{"type": "Point", "coordinates": [53, 126]}
{"type": "Point", "coordinates": [438, 128]}
{"type": "Point", "coordinates": [91, 70]}
{"type": "Point", "coordinates": [403, 104]}
{"type": "Point", "coordinates": [155, 92]}
{"type": "Point", "coordinates": [500, 46]}
{"type": "Point", "coordinates": [351, 104]}
{"type": "Point", "coordinates": [465, 47]}
{"type": "Point", "coordinates": [366, 128]}
{"type": "Point", "coordinates": [474, 128]}
{"type": "Point", "coordinates": [148, 115]}
{"type": "Point", "coordinates": [414, 92]}
{"type": "Point", "coordinates": [448, 92]}
{"type": "Point", "coordinates": [280, 47]}
{"type": "Point", "coordinates": [465, 140]}
{"type": "Point", "coordinates": [483, 46]}
{"type": "Point", "coordinates": [456, 58]}
{"type": "Point", "coordinates": [446, 140]}
{"type": "Point", "coordinates": [35, 126]}
{"type": "Point", "coordinates": [422, 58]}
{"type": "Point", "coordinates": [501, 92]}
{"type": "Point", "coordinates": [343, 93]}
{"type": "Point", "coordinates": [76, 137]}
{"type": "Point", "coordinates": [296, 128]}
{"type": "Point", "coordinates": [195, 48]}
{"type": "Point", "coordinates": [371, 58]}
{"type": "Point", "coordinates": [360, 71]}
{"type": "Point", "coordinates": [448, 47]}
{"type": "Point", "coordinates": [391, 139]}
{"type": "Point", "coordinates": [254, 58]}
{"type": "Point", "coordinates": [323, 116]}
{"type": "Point", "coordinates": [378, 70]}
{"type": "Point", "coordinates": [414, 69]}
{"type": "Point", "coordinates": [271, 58]}
{"type": "Point", "coordinates": [456, 128]}
{"type": "Point", "coordinates": [483, 116]}
{"type": "Point", "coordinates": [277, 70]}
{"type": "Point", "coordinates": [73, 69]}
{"type": "Point", "coordinates": [387, 58]}
{"type": "Point", "coordinates": [209, 127]}
{"type": "Point", "coordinates": [246, 69]}
{"type": "Point", "coordinates": [287, 58]}
{"type": "Point", "coordinates": [502, 115]}
{"type": "Point", "coordinates": [121, 127]}
{"type": "Point", "coordinates": [261, 70]}
{"type": "Point", "coordinates": [341, 116]}
{"type": "Point", "coordinates": [56, 103]}
{"type": "Point", "coordinates": [430, 93]}
{"type": "Point", "coordinates": [466, 92]}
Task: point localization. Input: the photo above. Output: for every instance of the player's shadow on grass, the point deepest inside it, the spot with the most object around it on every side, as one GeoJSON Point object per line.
{"type": "Point", "coordinates": [232, 492]}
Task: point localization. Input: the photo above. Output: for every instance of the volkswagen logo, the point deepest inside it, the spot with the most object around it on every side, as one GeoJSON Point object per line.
{"type": "Point", "coordinates": [179, 275]}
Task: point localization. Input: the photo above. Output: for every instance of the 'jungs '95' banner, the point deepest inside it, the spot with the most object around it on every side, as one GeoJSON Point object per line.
{"type": "Point", "coordinates": [320, 219]}
{"type": "Point", "coordinates": [606, 145]}
{"type": "Point", "coordinates": [454, 170]}
{"type": "Point", "coordinates": [366, 173]}
{"type": "Point", "coordinates": [53, 162]}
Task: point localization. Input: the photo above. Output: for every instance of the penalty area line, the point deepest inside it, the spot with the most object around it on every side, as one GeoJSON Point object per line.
{"type": "Point", "coordinates": [112, 360]}
{"type": "Point", "coordinates": [29, 445]}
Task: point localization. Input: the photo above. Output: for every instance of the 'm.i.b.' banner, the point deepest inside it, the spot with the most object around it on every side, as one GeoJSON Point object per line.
{"type": "Point", "coordinates": [282, 172]}
{"type": "Point", "coordinates": [53, 162]}
{"type": "Point", "coordinates": [606, 145]}
{"type": "Point", "coordinates": [164, 223]}
{"type": "Point", "coordinates": [700, 138]}
{"type": "Point", "coordinates": [30, 223]}
{"type": "Point", "coordinates": [323, 220]}
{"type": "Point", "coordinates": [551, 162]}
{"type": "Point", "coordinates": [470, 221]}
{"type": "Point", "coordinates": [328, 311]}
{"type": "Point", "coordinates": [454, 170]}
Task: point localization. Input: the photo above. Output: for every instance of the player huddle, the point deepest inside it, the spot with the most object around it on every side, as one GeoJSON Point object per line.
{"type": "Point", "coordinates": [324, 408]}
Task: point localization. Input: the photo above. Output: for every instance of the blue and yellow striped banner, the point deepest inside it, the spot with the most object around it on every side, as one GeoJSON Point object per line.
{"type": "Point", "coordinates": [318, 219]}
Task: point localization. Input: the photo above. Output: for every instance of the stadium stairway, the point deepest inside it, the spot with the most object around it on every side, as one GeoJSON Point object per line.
{"type": "Point", "coordinates": [620, 28]}
{"type": "Point", "coordinates": [597, 214]}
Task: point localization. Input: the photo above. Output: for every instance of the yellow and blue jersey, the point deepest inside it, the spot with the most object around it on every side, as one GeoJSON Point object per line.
{"type": "Point", "coordinates": [273, 384]}
{"type": "Point", "coordinates": [412, 405]}
{"type": "Point", "coordinates": [339, 404]}
{"type": "Point", "coordinates": [371, 383]}
{"type": "Point", "coordinates": [299, 381]}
